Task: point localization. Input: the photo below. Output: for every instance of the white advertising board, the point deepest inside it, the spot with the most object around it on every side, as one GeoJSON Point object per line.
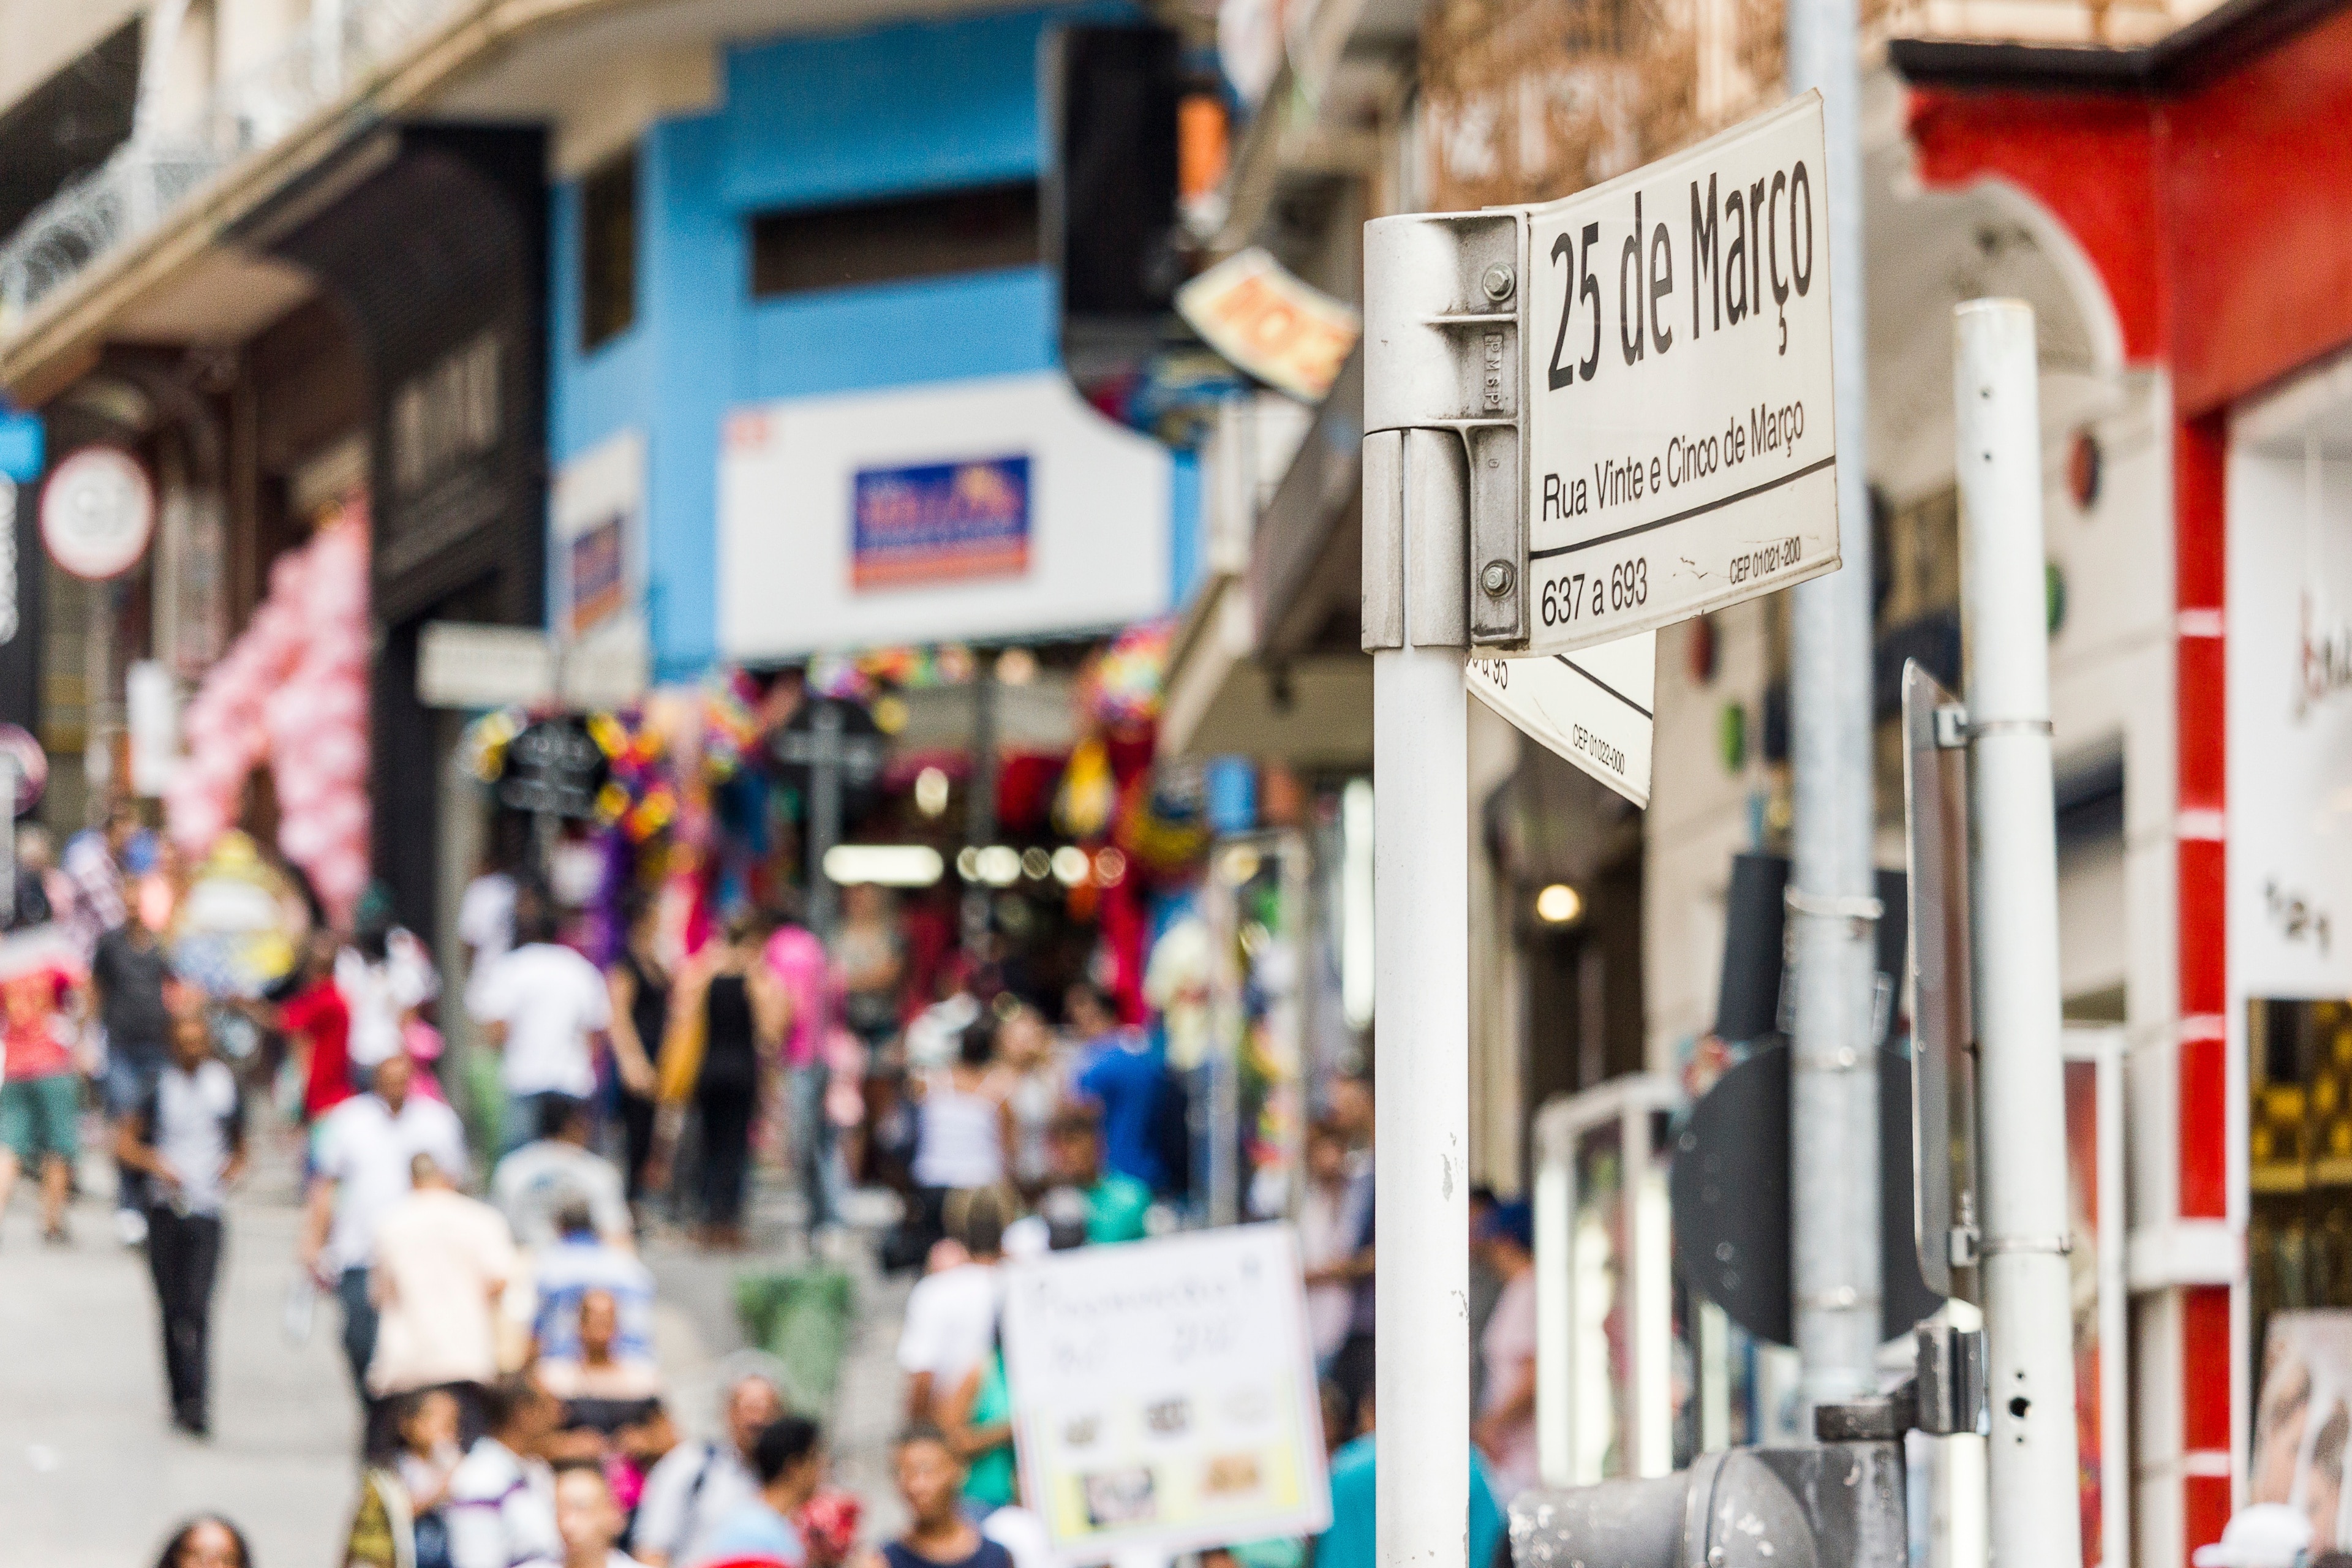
{"type": "Point", "coordinates": [1594, 706]}
{"type": "Point", "coordinates": [998, 508]}
{"type": "Point", "coordinates": [1681, 451]}
{"type": "Point", "coordinates": [1164, 1394]}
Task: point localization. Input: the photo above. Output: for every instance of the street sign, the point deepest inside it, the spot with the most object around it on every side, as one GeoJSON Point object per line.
{"type": "Point", "coordinates": [554, 768]}
{"type": "Point", "coordinates": [464, 666]}
{"type": "Point", "coordinates": [1681, 449]}
{"type": "Point", "coordinates": [1729, 1196]}
{"type": "Point", "coordinates": [1944, 1089]}
{"type": "Point", "coordinates": [461, 664]}
{"type": "Point", "coordinates": [1592, 706]}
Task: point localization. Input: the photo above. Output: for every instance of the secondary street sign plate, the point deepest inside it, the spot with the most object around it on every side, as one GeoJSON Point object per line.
{"type": "Point", "coordinates": [1593, 706]}
{"type": "Point", "coordinates": [1681, 449]}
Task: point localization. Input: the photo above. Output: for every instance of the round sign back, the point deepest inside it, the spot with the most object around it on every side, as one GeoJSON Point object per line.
{"type": "Point", "coordinates": [97, 511]}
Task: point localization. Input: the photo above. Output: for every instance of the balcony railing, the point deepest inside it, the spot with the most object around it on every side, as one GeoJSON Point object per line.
{"type": "Point", "coordinates": [162, 163]}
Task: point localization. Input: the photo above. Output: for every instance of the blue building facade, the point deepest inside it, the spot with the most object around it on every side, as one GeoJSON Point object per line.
{"type": "Point", "coordinates": [806, 123]}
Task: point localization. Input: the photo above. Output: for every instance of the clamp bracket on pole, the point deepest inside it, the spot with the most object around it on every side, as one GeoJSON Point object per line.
{"type": "Point", "coordinates": [1444, 528]}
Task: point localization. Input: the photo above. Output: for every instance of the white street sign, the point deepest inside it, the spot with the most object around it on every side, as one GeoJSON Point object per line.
{"type": "Point", "coordinates": [1681, 451]}
{"type": "Point", "coordinates": [1593, 706]}
{"type": "Point", "coordinates": [465, 666]}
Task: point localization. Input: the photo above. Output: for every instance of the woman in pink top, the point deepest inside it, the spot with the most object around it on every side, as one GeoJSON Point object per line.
{"type": "Point", "coordinates": [797, 959]}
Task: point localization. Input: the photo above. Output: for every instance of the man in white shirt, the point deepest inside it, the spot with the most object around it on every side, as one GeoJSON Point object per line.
{"type": "Point", "coordinates": [542, 1005]}
{"type": "Point", "coordinates": [697, 1484]}
{"type": "Point", "coordinates": [534, 1183]}
{"type": "Point", "coordinates": [502, 1506]}
{"type": "Point", "coordinates": [950, 1320]}
{"type": "Point", "coordinates": [364, 1153]}
{"type": "Point", "coordinates": [442, 1261]}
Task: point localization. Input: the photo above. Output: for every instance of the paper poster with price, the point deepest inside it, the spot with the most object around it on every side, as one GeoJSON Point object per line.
{"type": "Point", "coordinates": [1163, 1393]}
{"type": "Point", "coordinates": [1681, 446]}
{"type": "Point", "coordinates": [1594, 706]}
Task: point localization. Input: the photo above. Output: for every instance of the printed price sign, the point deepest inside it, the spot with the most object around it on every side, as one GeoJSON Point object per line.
{"type": "Point", "coordinates": [1681, 447]}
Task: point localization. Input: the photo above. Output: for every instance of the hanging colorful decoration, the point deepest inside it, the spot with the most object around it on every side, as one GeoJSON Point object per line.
{"type": "Point", "coordinates": [294, 688]}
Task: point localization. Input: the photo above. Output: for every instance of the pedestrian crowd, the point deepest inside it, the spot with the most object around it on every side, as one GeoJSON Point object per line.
{"type": "Point", "coordinates": [501, 1348]}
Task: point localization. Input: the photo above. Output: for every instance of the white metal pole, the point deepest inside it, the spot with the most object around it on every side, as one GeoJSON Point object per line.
{"type": "Point", "coordinates": [2021, 1076]}
{"type": "Point", "coordinates": [1421, 892]}
{"type": "Point", "coordinates": [1422, 1106]}
{"type": "Point", "coordinates": [1833, 1175]}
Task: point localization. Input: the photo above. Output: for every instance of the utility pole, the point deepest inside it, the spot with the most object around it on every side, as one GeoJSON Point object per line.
{"type": "Point", "coordinates": [2021, 1075]}
{"type": "Point", "coordinates": [1833, 1178]}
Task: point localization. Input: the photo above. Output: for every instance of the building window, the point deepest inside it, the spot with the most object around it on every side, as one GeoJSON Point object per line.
{"type": "Point", "coordinates": [970, 230]}
{"type": "Point", "coordinates": [608, 250]}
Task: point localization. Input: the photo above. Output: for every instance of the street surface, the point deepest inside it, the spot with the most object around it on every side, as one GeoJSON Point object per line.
{"type": "Point", "coordinates": [92, 1475]}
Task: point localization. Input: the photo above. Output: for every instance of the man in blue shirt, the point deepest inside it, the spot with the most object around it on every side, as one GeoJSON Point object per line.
{"type": "Point", "coordinates": [790, 1462]}
{"type": "Point", "coordinates": [1349, 1543]}
{"type": "Point", "coordinates": [1125, 1078]}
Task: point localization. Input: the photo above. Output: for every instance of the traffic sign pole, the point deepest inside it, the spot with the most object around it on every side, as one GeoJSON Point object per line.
{"type": "Point", "coordinates": [2021, 1075]}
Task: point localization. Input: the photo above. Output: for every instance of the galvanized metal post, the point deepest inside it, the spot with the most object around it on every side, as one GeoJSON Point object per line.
{"type": "Point", "coordinates": [2020, 1073]}
{"type": "Point", "coordinates": [1834, 1180]}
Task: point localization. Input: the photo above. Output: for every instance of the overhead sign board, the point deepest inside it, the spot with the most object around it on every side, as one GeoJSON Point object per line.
{"type": "Point", "coordinates": [1594, 706]}
{"type": "Point", "coordinates": [1167, 1400]}
{"type": "Point", "coordinates": [466, 666]}
{"type": "Point", "coordinates": [1680, 450]}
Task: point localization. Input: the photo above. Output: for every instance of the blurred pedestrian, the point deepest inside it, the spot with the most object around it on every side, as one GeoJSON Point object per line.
{"type": "Point", "coordinates": [977, 1422]}
{"type": "Point", "coordinates": [589, 1519]}
{"type": "Point", "coordinates": [362, 1156]}
{"type": "Point", "coordinates": [1329, 1221]}
{"type": "Point", "coordinates": [789, 1459]}
{"type": "Point", "coordinates": [187, 1138]}
{"type": "Point", "coordinates": [638, 982]}
{"type": "Point", "coordinates": [128, 975]}
{"type": "Point", "coordinates": [951, 1314]}
{"type": "Point", "coordinates": [557, 1168]}
{"type": "Point", "coordinates": [939, 1535]}
{"type": "Point", "coordinates": [869, 962]}
{"type": "Point", "coordinates": [604, 1385]}
{"type": "Point", "coordinates": [1355, 1472]}
{"type": "Point", "coordinates": [502, 1498]}
{"type": "Point", "coordinates": [741, 1011]}
{"type": "Point", "coordinates": [37, 864]}
{"type": "Point", "coordinates": [580, 1264]}
{"type": "Point", "coordinates": [1506, 1429]}
{"type": "Point", "coordinates": [431, 1450]}
{"type": "Point", "coordinates": [441, 1263]}
{"type": "Point", "coordinates": [207, 1541]}
{"type": "Point", "coordinates": [1118, 1205]}
{"type": "Point", "coordinates": [638, 1449]}
{"type": "Point", "coordinates": [1034, 1080]}
{"type": "Point", "coordinates": [40, 1083]}
{"type": "Point", "coordinates": [485, 915]}
{"type": "Point", "coordinates": [543, 1007]}
{"type": "Point", "coordinates": [698, 1484]}
{"type": "Point", "coordinates": [1122, 1074]}
{"type": "Point", "coordinates": [384, 975]}
{"type": "Point", "coordinates": [95, 902]}
{"type": "Point", "coordinates": [964, 1135]}
{"type": "Point", "coordinates": [317, 1022]}
{"type": "Point", "coordinates": [796, 959]}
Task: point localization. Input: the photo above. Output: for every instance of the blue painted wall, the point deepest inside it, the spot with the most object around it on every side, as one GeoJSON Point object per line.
{"type": "Point", "coordinates": [803, 121]}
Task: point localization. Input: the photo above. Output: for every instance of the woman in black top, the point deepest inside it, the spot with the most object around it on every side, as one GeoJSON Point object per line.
{"type": "Point", "coordinates": [744, 1011]}
{"type": "Point", "coordinates": [640, 985]}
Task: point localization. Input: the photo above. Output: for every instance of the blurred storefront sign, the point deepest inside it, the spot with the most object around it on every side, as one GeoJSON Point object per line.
{"type": "Point", "coordinates": [999, 508]}
{"type": "Point", "coordinates": [1289, 336]}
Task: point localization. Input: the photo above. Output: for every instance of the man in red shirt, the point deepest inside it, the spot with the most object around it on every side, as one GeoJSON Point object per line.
{"type": "Point", "coordinates": [40, 1100]}
{"type": "Point", "coordinates": [320, 1025]}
